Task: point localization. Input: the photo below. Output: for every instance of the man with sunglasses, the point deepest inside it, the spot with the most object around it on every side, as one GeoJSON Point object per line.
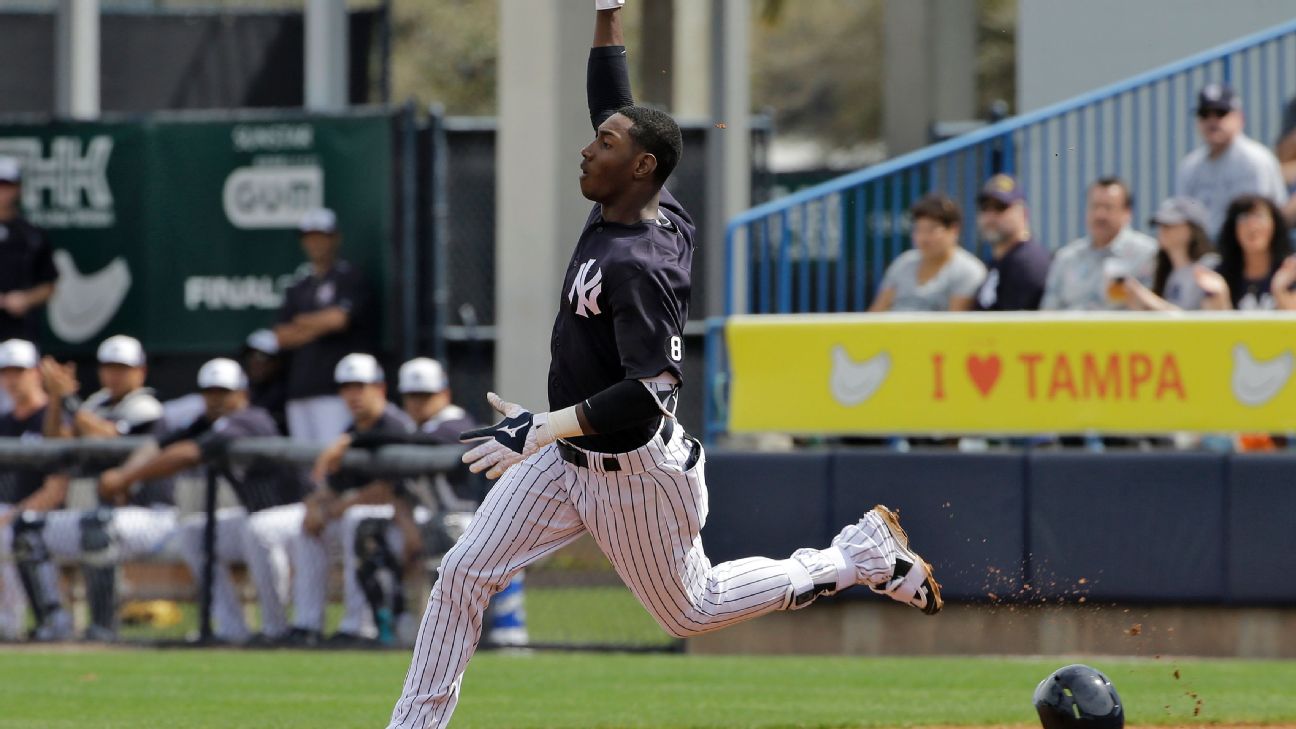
{"type": "Point", "coordinates": [1019, 267]}
{"type": "Point", "coordinates": [1230, 163]}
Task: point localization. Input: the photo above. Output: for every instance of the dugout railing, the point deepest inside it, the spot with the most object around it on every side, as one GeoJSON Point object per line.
{"type": "Point", "coordinates": [573, 601]}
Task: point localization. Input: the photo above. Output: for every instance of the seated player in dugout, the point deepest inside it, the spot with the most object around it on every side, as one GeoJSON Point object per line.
{"type": "Point", "coordinates": [256, 532]}
{"type": "Point", "coordinates": [25, 495]}
{"type": "Point", "coordinates": [122, 405]}
{"type": "Point", "coordinates": [125, 524]}
{"type": "Point", "coordinates": [343, 503]}
{"type": "Point", "coordinates": [431, 513]}
{"type": "Point", "coordinates": [608, 457]}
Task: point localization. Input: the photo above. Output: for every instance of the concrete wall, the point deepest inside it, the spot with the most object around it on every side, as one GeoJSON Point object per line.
{"type": "Point", "coordinates": [1065, 47]}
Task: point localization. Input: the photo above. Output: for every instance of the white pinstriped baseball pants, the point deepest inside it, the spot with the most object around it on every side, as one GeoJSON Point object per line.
{"type": "Point", "coordinates": [646, 517]}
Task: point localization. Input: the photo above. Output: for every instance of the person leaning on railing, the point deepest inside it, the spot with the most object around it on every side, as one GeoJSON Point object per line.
{"type": "Point", "coordinates": [25, 494]}
{"type": "Point", "coordinates": [257, 531]}
{"type": "Point", "coordinates": [937, 274]}
{"type": "Point", "coordinates": [340, 508]}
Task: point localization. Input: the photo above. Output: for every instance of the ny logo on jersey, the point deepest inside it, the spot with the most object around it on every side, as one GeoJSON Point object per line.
{"type": "Point", "coordinates": [585, 290]}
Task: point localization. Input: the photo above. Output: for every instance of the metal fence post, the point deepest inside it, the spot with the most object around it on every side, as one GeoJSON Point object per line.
{"type": "Point", "coordinates": [209, 559]}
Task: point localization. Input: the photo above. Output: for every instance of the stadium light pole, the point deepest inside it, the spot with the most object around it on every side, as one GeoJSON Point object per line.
{"type": "Point", "coordinates": [76, 59]}
{"type": "Point", "coordinates": [728, 178]}
{"type": "Point", "coordinates": [327, 60]}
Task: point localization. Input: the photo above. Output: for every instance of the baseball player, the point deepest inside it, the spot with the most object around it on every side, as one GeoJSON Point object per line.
{"type": "Point", "coordinates": [337, 510]}
{"type": "Point", "coordinates": [27, 270]}
{"type": "Point", "coordinates": [426, 399]}
{"type": "Point", "coordinates": [25, 492]}
{"type": "Point", "coordinates": [325, 315]}
{"type": "Point", "coordinates": [127, 524]}
{"type": "Point", "coordinates": [609, 458]}
{"type": "Point", "coordinates": [257, 532]}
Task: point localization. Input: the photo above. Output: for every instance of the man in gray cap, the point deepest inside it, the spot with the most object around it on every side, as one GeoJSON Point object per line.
{"type": "Point", "coordinates": [1229, 163]}
{"type": "Point", "coordinates": [325, 316]}
{"type": "Point", "coordinates": [27, 272]}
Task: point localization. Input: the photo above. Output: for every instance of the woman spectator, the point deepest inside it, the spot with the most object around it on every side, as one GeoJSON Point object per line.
{"type": "Point", "coordinates": [1184, 256]}
{"type": "Point", "coordinates": [936, 275]}
{"type": "Point", "coordinates": [1256, 269]}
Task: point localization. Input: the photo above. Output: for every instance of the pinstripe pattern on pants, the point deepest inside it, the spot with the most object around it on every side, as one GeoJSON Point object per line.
{"type": "Point", "coordinates": [646, 516]}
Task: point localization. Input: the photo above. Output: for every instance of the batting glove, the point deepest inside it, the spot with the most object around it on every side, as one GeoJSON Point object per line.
{"type": "Point", "coordinates": [608, 4]}
{"type": "Point", "coordinates": [513, 439]}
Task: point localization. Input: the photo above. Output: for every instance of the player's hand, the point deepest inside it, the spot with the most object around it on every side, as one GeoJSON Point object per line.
{"type": "Point", "coordinates": [1213, 286]}
{"type": "Point", "coordinates": [59, 379]}
{"type": "Point", "coordinates": [1284, 278]}
{"type": "Point", "coordinates": [15, 303]}
{"type": "Point", "coordinates": [330, 460]}
{"type": "Point", "coordinates": [507, 442]}
{"type": "Point", "coordinates": [111, 483]}
{"type": "Point", "coordinates": [314, 521]}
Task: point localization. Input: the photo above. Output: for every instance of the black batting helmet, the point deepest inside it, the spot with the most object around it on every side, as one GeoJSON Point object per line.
{"type": "Point", "coordinates": [1079, 697]}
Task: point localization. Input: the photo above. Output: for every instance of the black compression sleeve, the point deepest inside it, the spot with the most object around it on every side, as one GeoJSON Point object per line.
{"type": "Point", "coordinates": [623, 405]}
{"type": "Point", "coordinates": [607, 82]}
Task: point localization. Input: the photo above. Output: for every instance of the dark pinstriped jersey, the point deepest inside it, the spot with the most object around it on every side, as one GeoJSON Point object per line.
{"type": "Point", "coordinates": [624, 303]}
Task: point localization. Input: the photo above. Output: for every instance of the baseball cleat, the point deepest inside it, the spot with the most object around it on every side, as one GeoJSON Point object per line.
{"type": "Point", "coordinates": [911, 581]}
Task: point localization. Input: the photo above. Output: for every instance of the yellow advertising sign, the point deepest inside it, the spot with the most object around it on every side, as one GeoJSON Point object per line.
{"type": "Point", "coordinates": [1012, 373]}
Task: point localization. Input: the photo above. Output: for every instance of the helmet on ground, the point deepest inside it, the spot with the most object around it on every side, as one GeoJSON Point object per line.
{"type": "Point", "coordinates": [1079, 697]}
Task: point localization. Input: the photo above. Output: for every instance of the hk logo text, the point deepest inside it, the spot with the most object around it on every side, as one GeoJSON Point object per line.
{"type": "Point", "coordinates": [66, 186]}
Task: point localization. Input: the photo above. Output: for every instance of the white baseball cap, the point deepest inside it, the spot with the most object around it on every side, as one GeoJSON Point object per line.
{"type": "Point", "coordinates": [422, 374]}
{"type": "Point", "coordinates": [358, 367]}
{"type": "Point", "coordinates": [18, 353]}
{"type": "Point", "coordinates": [10, 170]}
{"type": "Point", "coordinates": [318, 220]}
{"type": "Point", "coordinates": [222, 373]}
{"type": "Point", "coordinates": [263, 340]}
{"type": "Point", "coordinates": [121, 349]}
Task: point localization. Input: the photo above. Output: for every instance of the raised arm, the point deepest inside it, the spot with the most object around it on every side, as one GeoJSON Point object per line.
{"type": "Point", "coordinates": [607, 78]}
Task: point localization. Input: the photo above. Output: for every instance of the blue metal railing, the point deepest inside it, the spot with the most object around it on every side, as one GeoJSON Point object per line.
{"type": "Point", "coordinates": [825, 248]}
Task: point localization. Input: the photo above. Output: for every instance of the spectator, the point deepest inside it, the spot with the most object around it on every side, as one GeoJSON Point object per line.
{"type": "Point", "coordinates": [339, 507]}
{"type": "Point", "coordinates": [1286, 152]}
{"type": "Point", "coordinates": [1229, 164]}
{"type": "Point", "coordinates": [1015, 280]}
{"type": "Point", "coordinates": [122, 405]}
{"type": "Point", "coordinates": [1256, 268]}
{"type": "Point", "coordinates": [258, 531]}
{"type": "Point", "coordinates": [25, 495]}
{"type": "Point", "coordinates": [1076, 278]}
{"type": "Point", "coordinates": [1184, 256]}
{"type": "Point", "coordinates": [265, 370]}
{"type": "Point", "coordinates": [325, 315]}
{"type": "Point", "coordinates": [936, 275]}
{"type": "Point", "coordinates": [27, 272]}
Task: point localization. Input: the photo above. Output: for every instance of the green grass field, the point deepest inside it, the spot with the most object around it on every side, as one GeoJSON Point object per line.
{"type": "Point", "coordinates": [191, 689]}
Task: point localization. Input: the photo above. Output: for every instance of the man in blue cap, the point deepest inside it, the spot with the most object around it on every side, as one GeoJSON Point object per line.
{"type": "Point", "coordinates": [1019, 266]}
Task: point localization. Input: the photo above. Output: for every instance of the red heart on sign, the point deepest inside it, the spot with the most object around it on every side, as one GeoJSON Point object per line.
{"type": "Point", "coordinates": [984, 372]}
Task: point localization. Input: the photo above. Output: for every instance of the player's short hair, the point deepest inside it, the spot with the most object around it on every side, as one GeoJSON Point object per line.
{"type": "Point", "coordinates": [658, 134]}
{"type": "Point", "coordinates": [939, 208]}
